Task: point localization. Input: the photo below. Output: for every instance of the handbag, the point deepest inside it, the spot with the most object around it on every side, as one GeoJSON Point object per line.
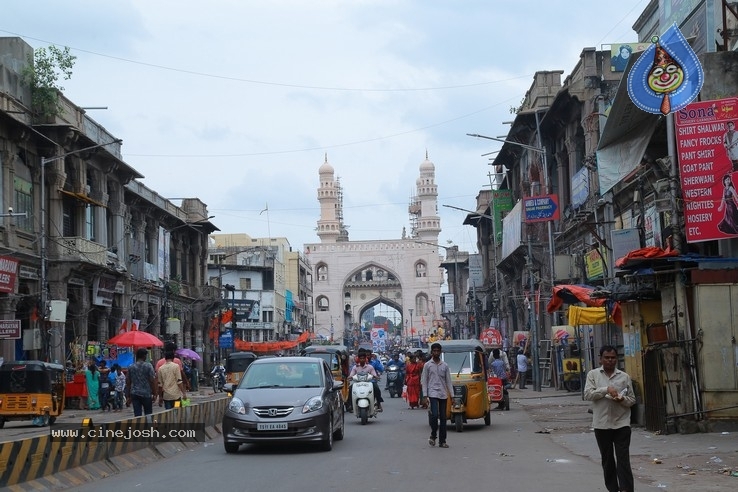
{"type": "Point", "coordinates": [404, 392]}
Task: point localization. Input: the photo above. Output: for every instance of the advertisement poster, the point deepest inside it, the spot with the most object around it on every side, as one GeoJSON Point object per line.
{"type": "Point", "coordinates": [8, 274]}
{"type": "Point", "coordinates": [707, 146]}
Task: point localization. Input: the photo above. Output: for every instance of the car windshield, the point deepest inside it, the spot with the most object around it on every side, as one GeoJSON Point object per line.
{"type": "Point", "coordinates": [282, 375]}
{"type": "Point", "coordinates": [330, 358]}
{"type": "Point", "coordinates": [462, 362]}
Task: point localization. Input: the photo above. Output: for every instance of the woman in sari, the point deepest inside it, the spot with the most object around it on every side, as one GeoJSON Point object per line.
{"type": "Point", "coordinates": [412, 380]}
{"type": "Point", "coordinates": [92, 377]}
{"type": "Point", "coordinates": [729, 203]}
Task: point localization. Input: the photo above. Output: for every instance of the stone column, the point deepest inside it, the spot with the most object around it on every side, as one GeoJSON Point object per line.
{"type": "Point", "coordinates": [7, 311]}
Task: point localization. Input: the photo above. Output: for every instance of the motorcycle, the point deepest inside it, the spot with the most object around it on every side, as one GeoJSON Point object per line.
{"type": "Point", "coordinates": [394, 380]}
{"type": "Point", "coordinates": [218, 382]}
{"type": "Point", "coordinates": [362, 397]}
{"type": "Point", "coordinates": [110, 403]}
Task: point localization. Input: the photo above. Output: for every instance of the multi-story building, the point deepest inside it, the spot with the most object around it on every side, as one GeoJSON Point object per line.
{"type": "Point", "coordinates": [88, 251]}
{"type": "Point", "coordinates": [619, 189]}
{"type": "Point", "coordinates": [267, 285]}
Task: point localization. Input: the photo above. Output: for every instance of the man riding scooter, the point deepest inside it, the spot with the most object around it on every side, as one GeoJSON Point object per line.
{"type": "Point", "coordinates": [364, 367]}
{"type": "Point", "coordinates": [395, 375]}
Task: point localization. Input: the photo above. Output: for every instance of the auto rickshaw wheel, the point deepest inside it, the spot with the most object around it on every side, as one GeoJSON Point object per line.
{"type": "Point", "coordinates": [506, 400]}
{"type": "Point", "coordinates": [52, 420]}
{"type": "Point", "coordinates": [487, 419]}
{"type": "Point", "coordinates": [459, 422]}
{"type": "Point", "coordinates": [2, 422]}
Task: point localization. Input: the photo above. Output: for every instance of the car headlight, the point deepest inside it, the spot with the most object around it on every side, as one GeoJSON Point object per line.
{"type": "Point", "coordinates": [237, 406]}
{"type": "Point", "coordinates": [313, 404]}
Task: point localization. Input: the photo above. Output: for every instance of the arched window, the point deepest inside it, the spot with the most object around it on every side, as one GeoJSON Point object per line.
{"type": "Point", "coordinates": [420, 269]}
{"type": "Point", "coordinates": [421, 304]}
{"type": "Point", "coordinates": [322, 272]}
{"type": "Point", "coordinates": [323, 304]}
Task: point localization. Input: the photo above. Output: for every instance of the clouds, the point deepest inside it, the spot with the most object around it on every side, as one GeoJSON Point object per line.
{"type": "Point", "coordinates": [238, 102]}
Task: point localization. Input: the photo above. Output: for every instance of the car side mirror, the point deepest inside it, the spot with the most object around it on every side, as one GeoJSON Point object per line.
{"type": "Point", "coordinates": [337, 385]}
{"type": "Point", "coordinates": [229, 387]}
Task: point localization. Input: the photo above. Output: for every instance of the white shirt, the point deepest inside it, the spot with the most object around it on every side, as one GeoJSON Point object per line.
{"type": "Point", "coordinates": [522, 362]}
{"type": "Point", "coordinates": [606, 412]}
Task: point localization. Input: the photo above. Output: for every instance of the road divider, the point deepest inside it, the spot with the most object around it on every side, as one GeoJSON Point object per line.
{"type": "Point", "coordinates": [72, 454]}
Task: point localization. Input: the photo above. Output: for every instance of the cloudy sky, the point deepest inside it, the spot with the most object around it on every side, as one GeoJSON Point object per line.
{"type": "Point", "coordinates": [238, 102]}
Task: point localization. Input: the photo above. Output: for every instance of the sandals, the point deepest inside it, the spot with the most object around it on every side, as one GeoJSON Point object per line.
{"type": "Point", "coordinates": [431, 442]}
{"type": "Point", "coordinates": [443, 445]}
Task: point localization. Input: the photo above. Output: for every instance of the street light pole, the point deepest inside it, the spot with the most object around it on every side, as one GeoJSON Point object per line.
{"type": "Point", "coordinates": [554, 319]}
{"type": "Point", "coordinates": [42, 242]}
{"type": "Point", "coordinates": [410, 310]}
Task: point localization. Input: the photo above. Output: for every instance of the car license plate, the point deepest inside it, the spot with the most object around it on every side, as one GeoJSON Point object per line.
{"type": "Point", "coordinates": [271, 426]}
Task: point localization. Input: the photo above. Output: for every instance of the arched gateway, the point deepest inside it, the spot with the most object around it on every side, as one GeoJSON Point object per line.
{"type": "Point", "coordinates": [351, 277]}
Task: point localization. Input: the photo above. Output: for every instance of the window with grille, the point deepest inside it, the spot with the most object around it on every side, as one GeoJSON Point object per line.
{"type": "Point", "coordinates": [23, 191]}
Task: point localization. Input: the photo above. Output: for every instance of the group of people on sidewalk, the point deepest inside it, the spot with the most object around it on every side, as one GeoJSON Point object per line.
{"type": "Point", "coordinates": [105, 386]}
{"type": "Point", "coordinates": [140, 385]}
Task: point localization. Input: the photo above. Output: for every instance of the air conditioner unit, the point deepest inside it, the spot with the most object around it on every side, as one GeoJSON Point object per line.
{"type": "Point", "coordinates": [174, 326]}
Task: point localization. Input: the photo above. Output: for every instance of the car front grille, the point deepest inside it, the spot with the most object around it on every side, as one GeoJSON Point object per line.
{"type": "Point", "coordinates": [273, 412]}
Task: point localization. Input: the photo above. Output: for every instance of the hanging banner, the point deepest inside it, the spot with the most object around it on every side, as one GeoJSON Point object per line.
{"type": "Point", "coordinates": [707, 145]}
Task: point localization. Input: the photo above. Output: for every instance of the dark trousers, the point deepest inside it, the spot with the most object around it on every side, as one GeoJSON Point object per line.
{"type": "Point", "coordinates": [437, 412]}
{"type": "Point", "coordinates": [521, 379]}
{"type": "Point", "coordinates": [142, 405]}
{"type": "Point", "coordinates": [377, 392]}
{"type": "Point", "coordinates": [104, 394]}
{"type": "Point", "coordinates": [614, 447]}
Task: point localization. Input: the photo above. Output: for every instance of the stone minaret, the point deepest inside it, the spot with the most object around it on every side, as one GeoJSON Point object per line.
{"type": "Point", "coordinates": [329, 225]}
{"type": "Point", "coordinates": [428, 225]}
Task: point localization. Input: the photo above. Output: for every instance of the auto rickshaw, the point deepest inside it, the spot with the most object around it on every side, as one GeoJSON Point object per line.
{"type": "Point", "coordinates": [236, 364]}
{"type": "Point", "coordinates": [337, 357]}
{"type": "Point", "coordinates": [466, 361]}
{"type": "Point", "coordinates": [31, 390]}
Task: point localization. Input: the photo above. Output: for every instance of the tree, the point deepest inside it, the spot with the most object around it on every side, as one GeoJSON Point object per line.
{"type": "Point", "coordinates": [42, 75]}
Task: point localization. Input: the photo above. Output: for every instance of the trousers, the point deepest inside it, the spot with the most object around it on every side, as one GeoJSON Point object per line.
{"type": "Point", "coordinates": [614, 447]}
{"type": "Point", "coordinates": [436, 413]}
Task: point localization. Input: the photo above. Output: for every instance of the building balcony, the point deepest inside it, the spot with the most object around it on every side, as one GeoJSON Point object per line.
{"type": "Point", "coordinates": [77, 249]}
{"type": "Point", "coordinates": [373, 283]}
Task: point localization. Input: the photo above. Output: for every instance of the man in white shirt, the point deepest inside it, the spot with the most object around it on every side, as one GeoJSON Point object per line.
{"type": "Point", "coordinates": [611, 392]}
{"type": "Point", "coordinates": [522, 361]}
{"type": "Point", "coordinates": [437, 388]}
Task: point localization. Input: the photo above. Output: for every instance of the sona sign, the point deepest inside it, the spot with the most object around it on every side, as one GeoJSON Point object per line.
{"type": "Point", "coordinates": [708, 174]}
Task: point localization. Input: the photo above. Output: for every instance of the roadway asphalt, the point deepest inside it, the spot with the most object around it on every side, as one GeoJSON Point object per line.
{"type": "Point", "coordinates": [674, 462]}
{"type": "Point", "coordinates": [694, 462]}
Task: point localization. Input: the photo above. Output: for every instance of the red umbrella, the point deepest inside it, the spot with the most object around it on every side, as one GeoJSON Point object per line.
{"type": "Point", "coordinates": [136, 338]}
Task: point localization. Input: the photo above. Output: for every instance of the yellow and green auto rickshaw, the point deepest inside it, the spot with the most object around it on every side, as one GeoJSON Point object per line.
{"type": "Point", "coordinates": [337, 357]}
{"type": "Point", "coordinates": [466, 360]}
{"type": "Point", "coordinates": [236, 364]}
{"type": "Point", "coordinates": [31, 390]}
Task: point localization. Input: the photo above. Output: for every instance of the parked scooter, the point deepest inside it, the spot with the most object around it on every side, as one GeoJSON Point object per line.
{"type": "Point", "coordinates": [395, 381]}
{"type": "Point", "coordinates": [362, 397]}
